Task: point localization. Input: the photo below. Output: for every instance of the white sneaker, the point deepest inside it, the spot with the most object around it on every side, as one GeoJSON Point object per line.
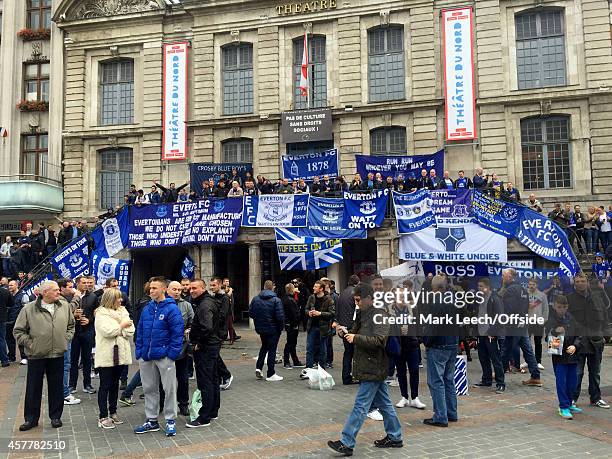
{"type": "Point", "coordinates": [394, 383]}
{"type": "Point", "coordinates": [403, 403]}
{"type": "Point", "coordinates": [23, 362]}
{"type": "Point", "coordinates": [258, 373]}
{"type": "Point", "coordinates": [71, 400]}
{"type": "Point", "coordinates": [524, 365]}
{"type": "Point", "coordinates": [375, 415]}
{"type": "Point", "coordinates": [227, 384]}
{"type": "Point", "coordinates": [416, 403]}
{"type": "Point", "coordinates": [94, 375]}
{"type": "Point", "coordinates": [274, 378]}
{"type": "Point", "coordinates": [540, 366]}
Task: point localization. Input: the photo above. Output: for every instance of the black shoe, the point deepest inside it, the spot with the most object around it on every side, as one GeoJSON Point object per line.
{"type": "Point", "coordinates": [469, 359]}
{"type": "Point", "coordinates": [123, 385]}
{"type": "Point", "coordinates": [388, 443]}
{"type": "Point", "coordinates": [56, 423]}
{"type": "Point", "coordinates": [141, 396]}
{"type": "Point", "coordinates": [481, 384]}
{"type": "Point", "coordinates": [6, 364]}
{"type": "Point", "coordinates": [184, 411]}
{"type": "Point", "coordinates": [352, 381]}
{"type": "Point", "coordinates": [431, 422]}
{"type": "Point", "coordinates": [237, 337]}
{"type": "Point", "coordinates": [500, 389]}
{"type": "Point", "coordinates": [27, 426]}
{"type": "Point", "coordinates": [89, 390]}
{"type": "Point", "coordinates": [338, 447]}
{"type": "Point", "coordinates": [453, 420]}
{"type": "Point", "coordinates": [197, 423]}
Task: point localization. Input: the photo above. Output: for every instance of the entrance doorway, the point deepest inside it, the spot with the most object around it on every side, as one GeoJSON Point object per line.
{"type": "Point", "coordinates": [147, 263]}
{"type": "Point", "coordinates": [233, 262]}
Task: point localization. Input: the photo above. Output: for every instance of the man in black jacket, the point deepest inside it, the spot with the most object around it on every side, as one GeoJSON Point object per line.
{"type": "Point", "coordinates": [488, 344]}
{"type": "Point", "coordinates": [170, 194]}
{"type": "Point", "coordinates": [345, 316]}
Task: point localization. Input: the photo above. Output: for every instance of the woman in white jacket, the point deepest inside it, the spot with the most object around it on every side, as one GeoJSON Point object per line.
{"type": "Point", "coordinates": [113, 330]}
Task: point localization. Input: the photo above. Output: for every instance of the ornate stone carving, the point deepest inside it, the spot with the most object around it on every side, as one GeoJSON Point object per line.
{"type": "Point", "coordinates": [90, 9]}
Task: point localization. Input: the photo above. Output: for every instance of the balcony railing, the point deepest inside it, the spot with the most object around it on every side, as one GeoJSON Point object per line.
{"type": "Point", "coordinates": [38, 192]}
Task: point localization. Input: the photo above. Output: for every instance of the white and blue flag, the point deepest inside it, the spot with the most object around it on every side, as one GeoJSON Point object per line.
{"type": "Point", "coordinates": [413, 211]}
{"type": "Point", "coordinates": [105, 268]}
{"type": "Point", "coordinates": [306, 253]}
{"type": "Point", "coordinates": [112, 235]}
{"type": "Point", "coordinates": [187, 268]}
{"type": "Point", "coordinates": [275, 210]}
{"type": "Point", "coordinates": [73, 259]}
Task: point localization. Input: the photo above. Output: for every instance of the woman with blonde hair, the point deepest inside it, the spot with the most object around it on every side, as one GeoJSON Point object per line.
{"type": "Point", "coordinates": [113, 330]}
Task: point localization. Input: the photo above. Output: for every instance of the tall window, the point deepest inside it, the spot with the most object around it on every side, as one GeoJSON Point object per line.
{"type": "Point", "coordinates": [39, 14]}
{"type": "Point", "coordinates": [546, 153]}
{"type": "Point", "coordinates": [36, 81]}
{"type": "Point", "coordinates": [386, 63]}
{"type": "Point", "coordinates": [115, 176]}
{"type": "Point", "coordinates": [317, 72]}
{"type": "Point", "coordinates": [238, 151]}
{"type": "Point", "coordinates": [540, 49]}
{"type": "Point", "coordinates": [388, 141]}
{"type": "Point", "coordinates": [238, 79]}
{"type": "Point", "coordinates": [34, 156]}
{"type": "Point", "coordinates": [117, 92]}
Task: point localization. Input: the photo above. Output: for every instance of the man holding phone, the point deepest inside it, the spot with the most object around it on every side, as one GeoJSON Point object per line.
{"type": "Point", "coordinates": [84, 304]}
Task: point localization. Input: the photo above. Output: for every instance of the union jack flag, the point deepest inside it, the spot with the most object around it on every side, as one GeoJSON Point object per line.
{"type": "Point", "coordinates": [306, 253]}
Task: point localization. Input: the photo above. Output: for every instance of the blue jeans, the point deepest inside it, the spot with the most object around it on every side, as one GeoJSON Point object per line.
{"type": "Point", "coordinates": [4, 358]}
{"type": "Point", "coordinates": [441, 382]}
{"type": "Point", "coordinates": [591, 235]}
{"type": "Point", "coordinates": [133, 384]}
{"type": "Point", "coordinates": [512, 346]}
{"type": "Point", "coordinates": [67, 370]}
{"type": "Point", "coordinates": [604, 239]}
{"type": "Point", "coordinates": [314, 340]}
{"type": "Point", "coordinates": [565, 379]}
{"type": "Point", "coordinates": [269, 342]}
{"type": "Point", "coordinates": [408, 360]}
{"type": "Point", "coordinates": [6, 267]}
{"type": "Point", "coordinates": [377, 393]}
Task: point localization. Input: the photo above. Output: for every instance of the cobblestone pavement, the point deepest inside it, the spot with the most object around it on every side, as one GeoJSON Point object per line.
{"type": "Point", "coordinates": [286, 419]}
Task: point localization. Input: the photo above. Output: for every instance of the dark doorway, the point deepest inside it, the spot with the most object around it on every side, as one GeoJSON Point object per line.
{"type": "Point", "coordinates": [233, 262]}
{"type": "Point", "coordinates": [147, 263]}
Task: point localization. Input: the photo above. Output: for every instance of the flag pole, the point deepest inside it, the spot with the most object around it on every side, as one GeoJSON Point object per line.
{"type": "Point", "coordinates": [308, 68]}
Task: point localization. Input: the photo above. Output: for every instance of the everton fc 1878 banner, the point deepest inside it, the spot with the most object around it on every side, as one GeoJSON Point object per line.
{"type": "Point", "coordinates": [306, 253]}
{"type": "Point", "coordinates": [413, 211]}
{"type": "Point", "coordinates": [469, 242]}
{"type": "Point", "coordinates": [364, 211]}
{"type": "Point", "coordinates": [311, 165]}
{"type": "Point", "coordinates": [392, 165]}
{"type": "Point", "coordinates": [275, 210]}
{"type": "Point", "coordinates": [202, 222]}
{"type": "Point", "coordinates": [325, 220]}
{"type": "Point", "coordinates": [73, 260]}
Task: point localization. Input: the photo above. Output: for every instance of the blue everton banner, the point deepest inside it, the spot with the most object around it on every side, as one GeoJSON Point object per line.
{"type": "Point", "coordinates": [104, 268]}
{"type": "Point", "coordinates": [73, 259]}
{"type": "Point", "coordinates": [198, 172]}
{"type": "Point", "coordinates": [306, 253]}
{"type": "Point", "coordinates": [545, 238]}
{"type": "Point", "coordinates": [187, 268]}
{"type": "Point", "coordinates": [275, 210]}
{"type": "Point", "coordinates": [523, 276]}
{"type": "Point", "coordinates": [413, 212]}
{"type": "Point", "coordinates": [310, 165]}
{"type": "Point", "coordinates": [112, 235]}
{"type": "Point", "coordinates": [29, 291]}
{"type": "Point", "coordinates": [207, 221]}
{"type": "Point", "coordinates": [498, 216]}
{"type": "Point", "coordinates": [466, 270]}
{"type": "Point", "coordinates": [393, 166]}
{"type": "Point", "coordinates": [452, 207]}
{"type": "Point", "coordinates": [325, 220]}
{"type": "Point", "coordinates": [364, 211]}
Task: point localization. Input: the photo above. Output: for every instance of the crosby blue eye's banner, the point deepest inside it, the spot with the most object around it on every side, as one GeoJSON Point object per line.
{"type": "Point", "coordinates": [311, 165]}
{"type": "Point", "coordinates": [105, 268]}
{"type": "Point", "coordinates": [207, 221]}
{"type": "Point", "coordinates": [73, 260]}
{"type": "Point", "coordinates": [365, 211]}
{"type": "Point", "coordinates": [306, 253]}
{"type": "Point", "coordinates": [498, 216]}
{"type": "Point", "coordinates": [275, 210]}
{"type": "Point", "coordinates": [391, 165]}
{"type": "Point", "coordinates": [325, 220]}
{"type": "Point", "coordinates": [413, 212]}
{"type": "Point", "coordinates": [112, 235]}
{"type": "Point", "coordinates": [198, 172]}
{"type": "Point", "coordinates": [453, 207]}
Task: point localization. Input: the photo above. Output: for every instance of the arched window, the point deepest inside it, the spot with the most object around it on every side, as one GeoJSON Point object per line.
{"type": "Point", "coordinates": [540, 48]}
{"type": "Point", "coordinates": [117, 92]}
{"type": "Point", "coordinates": [238, 151]}
{"type": "Point", "coordinates": [545, 146]}
{"type": "Point", "coordinates": [317, 72]}
{"type": "Point", "coordinates": [237, 79]}
{"type": "Point", "coordinates": [115, 176]}
{"type": "Point", "coordinates": [388, 141]}
{"type": "Point", "coordinates": [386, 63]}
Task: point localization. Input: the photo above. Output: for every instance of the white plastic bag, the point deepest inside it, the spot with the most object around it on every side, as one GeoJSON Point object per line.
{"type": "Point", "coordinates": [320, 379]}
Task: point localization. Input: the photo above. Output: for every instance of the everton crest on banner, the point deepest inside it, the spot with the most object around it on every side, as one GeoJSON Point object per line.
{"type": "Point", "coordinates": [498, 216]}
{"type": "Point", "coordinates": [207, 221]}
{"type": "Point", "coordinates": [187, 268]}
{"type": "Point", "coordinates": [275, 210]}
{"type": "Point", "coordinates": [453, 207]}
{"type": "Point", "coordinates": [73, 260]}
{"type": "Point", "coordinates": [112, 235]}
{"type": "Point", "coordinates": [325, 220]}
{"type": "Point", "coordinates": [365, 211]}
{"type": "Point", "coordinates": [392, 165]}
{"type": "Point", "coordinates": [413, 211]}
{"type": "Point", "coordinates": [311, 165]}
{"type": "Point", "coordinates": [104, 268]}
{"type": "Point", "coordinates": [306, 253]}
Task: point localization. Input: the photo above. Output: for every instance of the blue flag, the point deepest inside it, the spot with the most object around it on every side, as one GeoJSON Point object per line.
{"type": "Point", "coordinates": [187, 268]}
{"type": "Point", "coordinates": [112, 235]}
{"type": "Point", "coordinates": [73, 259]}
{"type": "Point", "coordinates": [498, 216]}
{"type": "Point", "coordinates": [413, 212]}
{"type": "Point", "coordinates": [393, 165]}
{"type": "Point", "coordinates": [104, 268]}
{"type": "Point", "coordinates": [311, 165]}
{"type": "Point", "coordinates": [275, 210]}
{"type": "Point", "coordinates": [365, 211]}
{"type": "Point", "coordinates": [325, 220]}
{"type": "Point", "coordinates": [306, 253]}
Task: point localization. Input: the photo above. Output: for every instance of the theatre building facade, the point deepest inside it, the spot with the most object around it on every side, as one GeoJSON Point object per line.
{"type": "Point", "coordinates": [542, 85]}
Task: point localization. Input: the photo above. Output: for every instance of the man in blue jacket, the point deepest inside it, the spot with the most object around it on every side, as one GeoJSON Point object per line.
{"type": "Point", "coordinates": [266, 310]}
{"type": "Point", "coordinates": [159, 342]}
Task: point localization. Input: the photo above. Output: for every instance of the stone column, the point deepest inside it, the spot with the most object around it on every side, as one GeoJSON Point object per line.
{"type": "Point", "coordinates": [254, 273]}
{"type": "Point", "coordinates": [383, 254]}
{"type": "Point", "coordinates": [206, 262]}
